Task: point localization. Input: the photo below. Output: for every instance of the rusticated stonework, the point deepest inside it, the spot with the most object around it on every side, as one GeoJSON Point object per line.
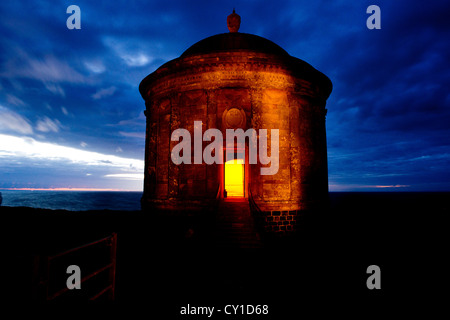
{"type": "Point", "coordinates": [238, 81]}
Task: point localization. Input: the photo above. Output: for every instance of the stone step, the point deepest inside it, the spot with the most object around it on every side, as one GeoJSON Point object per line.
{"type": "Point", "coordinates": [234, 225]}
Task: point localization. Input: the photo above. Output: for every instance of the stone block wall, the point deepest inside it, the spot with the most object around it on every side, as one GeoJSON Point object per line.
{"type": "Point", "coordinates": [280, 221]}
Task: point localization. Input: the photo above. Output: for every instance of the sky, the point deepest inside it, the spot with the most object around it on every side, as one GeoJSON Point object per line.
{"type": "Point", "coordinates": [71, 116]}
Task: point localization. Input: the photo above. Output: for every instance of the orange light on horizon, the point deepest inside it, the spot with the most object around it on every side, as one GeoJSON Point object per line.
{"type": "Point", "coordinates": [234, 178]}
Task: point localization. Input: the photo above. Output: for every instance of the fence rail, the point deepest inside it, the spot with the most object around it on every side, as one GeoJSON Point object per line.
{"type": "Point", "coordinates": [42, 276]}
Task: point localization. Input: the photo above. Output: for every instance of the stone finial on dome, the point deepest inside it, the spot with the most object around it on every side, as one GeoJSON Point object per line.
{"type": "Point", "coordinates": [233, 22]}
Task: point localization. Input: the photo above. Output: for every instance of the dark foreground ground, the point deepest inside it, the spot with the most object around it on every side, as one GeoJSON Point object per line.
{"type": "Point", "coordinates": [165, 263]}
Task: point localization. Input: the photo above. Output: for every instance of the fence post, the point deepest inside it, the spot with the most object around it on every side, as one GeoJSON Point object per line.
{"type": "Point", "coordinates": [36, 278]}
{"type": "Point", "coordinates": [112, 270]}
{"type": "Point", "coordinates": [46, 281]}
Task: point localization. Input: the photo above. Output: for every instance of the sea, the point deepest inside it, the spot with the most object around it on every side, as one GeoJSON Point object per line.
{"type": "Point", "coordinates": [130, 201]}
{"type": "Point", "coordinates": [73, 200]}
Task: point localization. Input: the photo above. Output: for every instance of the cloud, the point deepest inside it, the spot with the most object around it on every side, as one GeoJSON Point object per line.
{"type": "Point", "coordinates": [47, 125]}
{"type": "Point", "coordinates": [64, 111]}
{"type": "Point", "coordinates": [140, 135]}
{"type": "Point", "coordinates": [12, 121]}
{"type": "Point", "coordinates": [136, 60]}
{"type": "Point", "coordinates": [30, 149]}
{"type": "Point", "coordinates": [102, 93]}
{"type": "Point", "coordinates": [126, 176]}
{"type": "Point", "coordinates": [47, 69]}
{"type": "Point", "coordinates": [14, 100]}
{"type": "Point", "coordinates": [393, 186]}
{"type": "Point", "coordinates": [95, 66]}
{"type": "Point", "coordinates": [55, 89]}
{"type": "Point", "coordinates": [131, 52]}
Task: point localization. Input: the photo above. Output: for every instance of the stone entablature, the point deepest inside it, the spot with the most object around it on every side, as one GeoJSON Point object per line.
{"type": "Point", "coordinates": [255, 70]}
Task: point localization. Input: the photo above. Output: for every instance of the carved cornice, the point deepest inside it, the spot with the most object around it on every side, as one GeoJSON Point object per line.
{"type": "Point", "coordinates": [242, 69]}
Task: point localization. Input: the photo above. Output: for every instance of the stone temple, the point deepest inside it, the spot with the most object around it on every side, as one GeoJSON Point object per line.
{"type": "Point", "coordinates": [230, 81]}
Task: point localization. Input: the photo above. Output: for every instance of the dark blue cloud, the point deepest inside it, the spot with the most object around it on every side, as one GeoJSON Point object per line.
{"type": "Point", "coordinates": [387, 123]}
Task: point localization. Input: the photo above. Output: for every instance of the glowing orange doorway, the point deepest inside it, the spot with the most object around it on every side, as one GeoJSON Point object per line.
{"type": "Point", "coordinates": [234, 178]}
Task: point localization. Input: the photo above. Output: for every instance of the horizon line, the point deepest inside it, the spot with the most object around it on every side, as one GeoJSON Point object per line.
{"type": "Point", "coordinates": [70, 189]}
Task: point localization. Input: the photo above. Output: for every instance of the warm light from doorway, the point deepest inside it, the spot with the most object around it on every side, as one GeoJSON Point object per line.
{"type": "Point", "coordinates": [234, 178]}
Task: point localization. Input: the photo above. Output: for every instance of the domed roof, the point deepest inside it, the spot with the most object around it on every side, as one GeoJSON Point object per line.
{"type": "Point", "coordinates": [234, 41]}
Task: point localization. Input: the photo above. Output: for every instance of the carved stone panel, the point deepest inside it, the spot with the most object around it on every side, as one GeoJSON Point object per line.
{"type": "Point", "coordinates": [234, 118]}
